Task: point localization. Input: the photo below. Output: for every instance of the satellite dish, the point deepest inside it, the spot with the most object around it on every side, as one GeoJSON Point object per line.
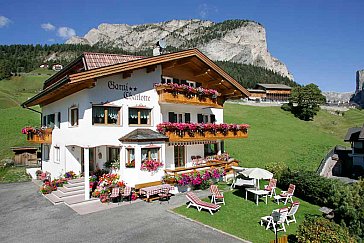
{"type": "Point", "coordinates": [162, 43]}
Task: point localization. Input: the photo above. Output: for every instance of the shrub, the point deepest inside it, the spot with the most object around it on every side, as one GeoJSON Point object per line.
{"type": "Point", "coordinates": [345, 199]}
{"type": "Point", "coordinates": [310, 186]}
{"type": "Point", "coordinates": [286, 107]}
{"type": "Point", "coordinates": [318, 229]}
{"type": "Point", "coordinates": [277, 168]}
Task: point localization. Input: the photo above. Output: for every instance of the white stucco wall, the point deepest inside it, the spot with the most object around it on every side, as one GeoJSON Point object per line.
{"type": "Point", "coordinates": [135, 91]}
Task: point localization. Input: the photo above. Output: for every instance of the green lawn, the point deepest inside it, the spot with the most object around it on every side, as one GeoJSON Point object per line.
{"type": "Point", "coordinates": [13, 174]}
{"type": "Point", "coordinates": [242, 218]}
{"type": "Point", "coordinates": [277, 136]}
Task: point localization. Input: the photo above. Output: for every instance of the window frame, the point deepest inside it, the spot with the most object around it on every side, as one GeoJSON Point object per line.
{"type": "Point", "coordinates": [71, 114]}
{"type": "Point", "coordinates": [183, 157]}
{"type": "Point", "coordinates": [57, 154]}
{"type": "Point", "coordinates": [109, 153]}
{"type": "Point", "coordinates": [119, 120]}
{"type": "Point", "coordinates": [46, 152]}
{"type": "Point", "coordinates": [149, 153]}
{"type": "Point", "coordinates": [128, 161]}
{"type": "Point", "coordinates": [139, 118]}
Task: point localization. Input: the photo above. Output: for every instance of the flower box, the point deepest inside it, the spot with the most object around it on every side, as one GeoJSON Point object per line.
{"type": "Point", "coordinates": [38, 135]}
{"type": "Point", "coordinates": [183, 94]}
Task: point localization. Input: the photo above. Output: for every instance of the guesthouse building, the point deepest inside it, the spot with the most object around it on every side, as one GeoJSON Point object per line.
{"type": "Point", "coordinates": [128, 110]}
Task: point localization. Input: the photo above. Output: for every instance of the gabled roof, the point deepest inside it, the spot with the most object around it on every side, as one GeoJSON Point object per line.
{"type": "Point", "coordinates": [75, 77]}
{"type": "Point", "coordinates": [354, 134]}
{"type": "Point", "coordinates": [96, 60]}
{"type": "Point", "coordinates": [274, 86]}
{"type": "Point", "coordinates": [143, 135]}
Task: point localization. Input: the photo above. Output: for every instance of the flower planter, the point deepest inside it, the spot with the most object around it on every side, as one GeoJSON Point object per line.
{"type": "Point", "coordinates": [40, 136]}
{"type": "Point", "coordinates": [167, 94]}
{"type": "Point", "coordinates": [174, 137]}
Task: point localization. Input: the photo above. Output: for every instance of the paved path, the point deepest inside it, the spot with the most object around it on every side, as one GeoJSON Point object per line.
{"type": "Point", "coordinates": [26, 216]}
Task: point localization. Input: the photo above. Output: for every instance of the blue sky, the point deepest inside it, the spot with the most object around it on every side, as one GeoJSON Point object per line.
{"type": "Point", "coordinates": [321, 41]}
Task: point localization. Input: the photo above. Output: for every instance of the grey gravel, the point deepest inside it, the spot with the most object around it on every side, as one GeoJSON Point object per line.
{"type": "Point", "coordinates": [26, 216]}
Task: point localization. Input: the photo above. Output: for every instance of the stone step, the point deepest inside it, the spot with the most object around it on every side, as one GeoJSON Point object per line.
{"type": "Point", "coordinates": [53, 199]}
{"type": "Point", "coordinates": [77, 199]}
{"type": "Point", "coordinates": [62, 194]}
{"type": "Point", "coordinates": [72, 189]}
{"type": "Point", "coordinates": [73, 181]}
{"type": "Point", "coordinates": [71, 185]}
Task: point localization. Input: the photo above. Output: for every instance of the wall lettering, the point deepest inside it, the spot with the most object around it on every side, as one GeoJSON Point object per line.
{"type": "Point", "coordinates": [127, 91]}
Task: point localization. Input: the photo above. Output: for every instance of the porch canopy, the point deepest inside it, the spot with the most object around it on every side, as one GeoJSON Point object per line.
{"type": "Point", "coordinates": [143, 135]}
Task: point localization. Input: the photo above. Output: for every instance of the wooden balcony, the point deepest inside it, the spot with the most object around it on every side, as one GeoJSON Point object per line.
{"type": "Point", "coordinates": [211, 164]}
{"type": "Point", "coordinates": [166, 95]}
{"type": "Point", "coordinates": [41, 136]}
{"type": "Point", "coordinates": [185, 137]}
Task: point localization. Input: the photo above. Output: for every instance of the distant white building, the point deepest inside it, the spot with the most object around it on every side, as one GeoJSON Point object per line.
{"type": "Point", "coordinates": [44, 65]}
{"type": "Point", "coordinates": [57, 67]}
{"type": "Point", "coordinates": [107, 107]}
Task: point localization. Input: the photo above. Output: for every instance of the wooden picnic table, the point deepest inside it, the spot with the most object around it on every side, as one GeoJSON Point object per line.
{"type": "Point", "coordinates": [154, 190]}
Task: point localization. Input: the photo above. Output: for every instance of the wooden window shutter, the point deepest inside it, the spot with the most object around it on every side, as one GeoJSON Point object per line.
{"type": "Point", "coordinates": [199, 118]}
{"type": "Point", "coordinates": [212, 118]}
{"type": "Point", "coordinates": [187, 117]}
{"type": "Point", "coordinates": [171, 117]}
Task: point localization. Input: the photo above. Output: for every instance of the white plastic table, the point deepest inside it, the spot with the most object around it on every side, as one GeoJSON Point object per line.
{"type": "Point", "coordinates": [257, 193]}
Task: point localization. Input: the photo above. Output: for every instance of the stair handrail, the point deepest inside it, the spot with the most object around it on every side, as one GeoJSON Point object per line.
{"type": "Point", "coordinates": [323, 161]}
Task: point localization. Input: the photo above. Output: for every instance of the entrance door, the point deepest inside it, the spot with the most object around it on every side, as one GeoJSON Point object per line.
{"type": "Point", "coordinates": [92, 164]}
{"type": "Point", "coordinates": [179, 156]}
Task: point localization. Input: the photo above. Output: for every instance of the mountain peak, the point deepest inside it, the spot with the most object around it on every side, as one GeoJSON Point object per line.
{"type": "Point", "coordinates": [241, 41]}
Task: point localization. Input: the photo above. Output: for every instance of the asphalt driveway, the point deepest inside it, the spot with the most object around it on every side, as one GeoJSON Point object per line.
{"type": "Point", "coordinates": [26, 216]}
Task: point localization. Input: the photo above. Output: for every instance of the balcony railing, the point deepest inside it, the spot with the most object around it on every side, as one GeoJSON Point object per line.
{"type": "Point", "coordinates": [38, 135]}
{"type": "Point", "coordinates": [184, 132]}
{"type": "Point", "coordinates": [184, 94]}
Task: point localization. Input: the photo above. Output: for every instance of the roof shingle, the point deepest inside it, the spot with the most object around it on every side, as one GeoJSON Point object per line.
{"type": "Point", "coordinates": [143, 135]}
{"type": "Point", "coordinates": [97, 60]}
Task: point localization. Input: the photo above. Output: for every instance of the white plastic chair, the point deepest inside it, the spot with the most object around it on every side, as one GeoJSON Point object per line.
{"type": "Point", "coordinates": [282, 214]}
{"type": "Point", "coordinates": [291, 212]}
{"type": "Point", "coordinates": [286, 195]}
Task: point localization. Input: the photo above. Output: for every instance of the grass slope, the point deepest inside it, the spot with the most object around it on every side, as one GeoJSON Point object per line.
{"type": "Point", "coordinates": [277, 136]}
{"type": "Point", "coordinates": [241, 217]}
{"type": "Point", "coordinates": [13, 118]}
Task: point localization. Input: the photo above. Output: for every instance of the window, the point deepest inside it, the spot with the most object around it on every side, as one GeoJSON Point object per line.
{"type": "Point", "coordinates": [179, 156]}
{"type": "Point", "coordinates": [45, 152]}
{"type": "Point", "coordinates": [210, 149]}
{"type": "Point", "coordinates": [49, 120]}
{"type": "Point", "coordinates": [130, 158]}
{"type": "Point", "coordinates": [166, 80]}
{"type": "Point", "coordinates": [150, 154]}
{"type": "Point", "coordinates": [138, 116]}
{"type": "Point", "coordinates": [205, 118]}
{"type": "Point", "coordinates": [57, 154]}
{"type": "Point", "coordinates": [191, 84]}
{"type": "Point", "coordinates": [73, 117]}
{"type": "Point", "coordinates": [174, 117]}
{"type": "Point", "coordinates": [113, 154]}
{"type": "Point", "coordinates": [106, 115]}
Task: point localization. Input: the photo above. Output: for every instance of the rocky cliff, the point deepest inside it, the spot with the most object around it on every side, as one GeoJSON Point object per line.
{"type": "Point", "coordinates": [240, 41]}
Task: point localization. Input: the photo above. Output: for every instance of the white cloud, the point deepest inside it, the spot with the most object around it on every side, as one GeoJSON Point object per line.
{"type": "Point", "coordinates": [205, 10]}
{"type": "Point", "coordinates": [4, 21]}
{"type": "Point", "coordinates": [51, 40]}
{"type": "Point", "coordinates": [48, 27]}
{"type": "Point", "coordinates": [66, 32]}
